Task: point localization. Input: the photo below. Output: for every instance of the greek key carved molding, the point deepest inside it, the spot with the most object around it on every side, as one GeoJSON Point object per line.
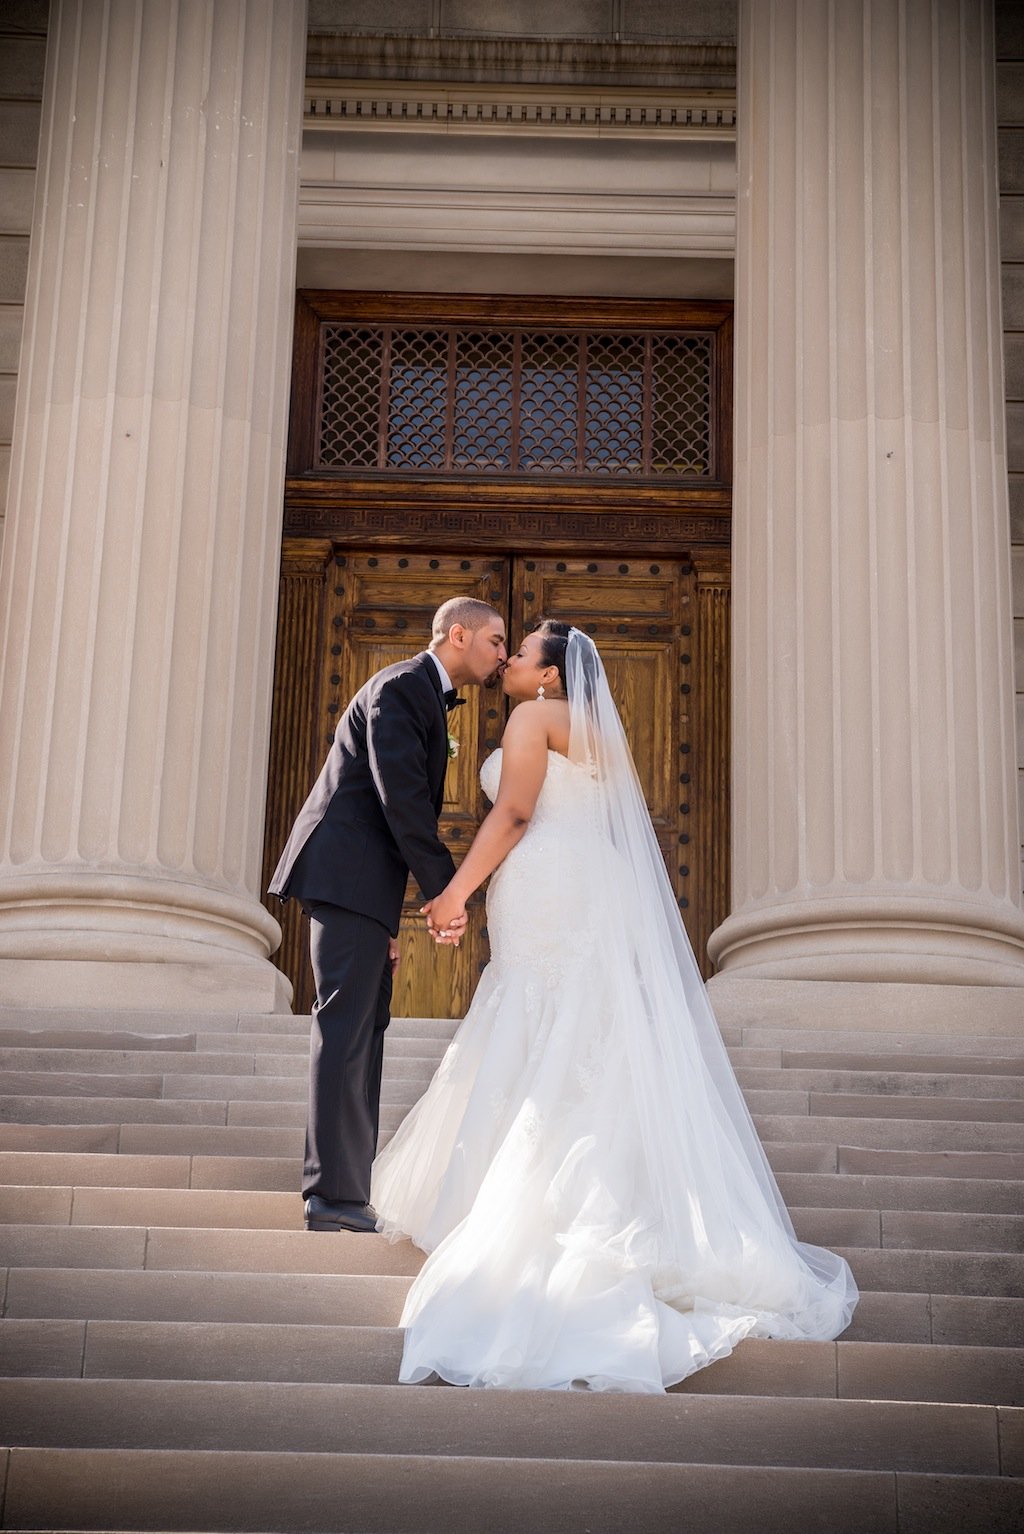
{"type": "Point", "coordinates": [506, 529]}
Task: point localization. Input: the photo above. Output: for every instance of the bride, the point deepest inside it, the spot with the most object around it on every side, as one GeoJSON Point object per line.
{"type": "Point", "coordinates": [583, 1170]}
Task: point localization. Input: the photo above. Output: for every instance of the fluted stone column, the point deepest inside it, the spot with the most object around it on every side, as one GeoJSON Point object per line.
{"type": "Point", "coordinates": [875, 813]}
{"type": "Point", "coordinates": [140, 561]}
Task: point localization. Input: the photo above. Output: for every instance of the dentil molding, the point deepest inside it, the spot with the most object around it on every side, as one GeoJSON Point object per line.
{"type": "Point", "coordinates": [569, 111]}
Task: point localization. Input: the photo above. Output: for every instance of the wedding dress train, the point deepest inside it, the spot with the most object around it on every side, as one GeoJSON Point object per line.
{"type": "Point", "coordinates": [582, 1171]}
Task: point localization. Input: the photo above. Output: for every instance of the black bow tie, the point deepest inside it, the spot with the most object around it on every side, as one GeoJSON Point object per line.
{"type": "Point", "coordinates": [451, 699]}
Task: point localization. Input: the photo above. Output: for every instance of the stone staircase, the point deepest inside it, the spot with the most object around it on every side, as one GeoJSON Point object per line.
{"type": "Point", "coordinates": [178, 1354]}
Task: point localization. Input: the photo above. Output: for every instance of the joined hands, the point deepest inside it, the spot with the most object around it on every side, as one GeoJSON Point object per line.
{"type": "Point", "coordinates": [446, 918]}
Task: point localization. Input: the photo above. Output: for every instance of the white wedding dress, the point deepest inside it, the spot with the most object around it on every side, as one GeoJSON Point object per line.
{"type": "Point", "coordinates": [593, 1214]}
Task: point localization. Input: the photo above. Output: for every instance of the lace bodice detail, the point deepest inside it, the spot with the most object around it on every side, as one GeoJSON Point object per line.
{"type": "Point", "coordinates": [540, 900]}
{"type": "Point", "coordinates": [567, 792]}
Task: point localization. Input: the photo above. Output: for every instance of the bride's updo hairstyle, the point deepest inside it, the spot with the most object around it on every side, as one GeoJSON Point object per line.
{"type": "Point", "coordinates": [554, 637]}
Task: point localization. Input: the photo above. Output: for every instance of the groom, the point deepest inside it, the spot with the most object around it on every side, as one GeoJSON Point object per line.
{"type": "Point", "coordinates": [370, 818]}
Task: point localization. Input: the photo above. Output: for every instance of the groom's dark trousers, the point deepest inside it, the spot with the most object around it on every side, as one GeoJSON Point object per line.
{"type": "Point", "coordinates": [370, 818]}
{"type": "Point", "coordinates": [353, 1008]}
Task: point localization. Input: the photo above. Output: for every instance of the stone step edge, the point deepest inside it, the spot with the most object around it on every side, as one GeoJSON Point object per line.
{"type": "Point", "coordinates": [278, 1198]}
{"type": "Point", "coordinates": [799, 1214]}
{"type": "Point", "coordinates": [953, 1163]}
{"type": "Point", "coordinates": [426, 1051]}
{"type": "Point", "coordinates": [127, 1482]}
{"type": "Point", "coordinates": [185, 1163]}
{"type": "Point", "coordinates": [932, 1373]}
{"type": "Point", "coordinates": [152, 1399]}
{"type": "Point", "coordinates": [232, 1020]}
{"type": "Point", "coordinates": [926, 1300]}
{"type": "Point", "coordinates": [152, 1062]}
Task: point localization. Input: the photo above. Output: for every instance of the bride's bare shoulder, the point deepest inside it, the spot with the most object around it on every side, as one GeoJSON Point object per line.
{"type": "Point", "coordinates": [544, 721]}
{"type": "Point", "coordinates": [525, 721]}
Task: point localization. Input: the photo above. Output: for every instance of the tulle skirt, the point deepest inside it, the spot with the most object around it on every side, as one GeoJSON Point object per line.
{"type": "Point", "coordinates": [589, 1222]}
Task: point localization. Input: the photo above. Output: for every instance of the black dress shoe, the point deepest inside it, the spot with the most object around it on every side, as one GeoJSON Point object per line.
{"type": "Point", "coordinates": [321, 1214]}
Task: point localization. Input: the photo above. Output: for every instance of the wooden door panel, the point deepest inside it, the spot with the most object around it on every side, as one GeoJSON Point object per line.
{"type": "Point", "coordinates": [637, 614]}
{"type": "Point", "coordinates": [385, 602]}
{"type": "Point", "coordinates": [373, 609]}
{"type": "Point", "coordinates": [640, 677]}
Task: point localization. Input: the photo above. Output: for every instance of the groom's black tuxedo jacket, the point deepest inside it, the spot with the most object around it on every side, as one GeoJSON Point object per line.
{"type": "Point", "coordinates": [372, 813]}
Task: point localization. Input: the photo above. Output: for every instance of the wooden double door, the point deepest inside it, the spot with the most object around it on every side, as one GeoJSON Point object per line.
{"type": "Point", "coordinates": [662, 628]}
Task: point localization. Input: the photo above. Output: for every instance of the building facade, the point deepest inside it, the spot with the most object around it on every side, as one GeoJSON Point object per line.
{"type": "Point", "coordinates": [681, 321]}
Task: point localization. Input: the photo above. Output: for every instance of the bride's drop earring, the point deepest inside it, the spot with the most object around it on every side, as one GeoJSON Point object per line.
{"type": "Point", "coordinates": [540, 692]}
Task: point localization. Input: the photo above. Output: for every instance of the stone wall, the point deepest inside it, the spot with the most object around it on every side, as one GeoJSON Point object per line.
{"type": "Point", "coordinates": [651, 43]}
{"type": "Point", "coordinates": [628, 21]}
{"type": "Point", "coordinates": [22, 55]}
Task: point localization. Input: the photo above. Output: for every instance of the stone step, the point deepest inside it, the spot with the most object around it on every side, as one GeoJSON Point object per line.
{"type": "Point", "coordinates": [159, 1294]}
{"type": "Point", "coordinates": [954, 1320]}
{"type": "Point", "coordinates": [425, 1027]}
{"type": "Point", "coordinates": [242, 1142]}
{"type": "Point", "coordinates": [932, 1230]}
{"type": "Point", "coordinates": [404, 1084]}
{"type": "Point", "coordinates": [906, 1107]}
{"type": "Point", "coordinates": [129, 1290]}
{"type": "Point", "coordinates": [346, 1419]}
{"type": "Point", "coordinates": [226, 1490]}
{"type": "Point", "coordinates": [405, 1059]}
{"type": "Point", "coordinates": [420, 1046]}
{"type": "Point", "coordinates": [57, 1065]}
{"type": "Point", "coordinates": [199, 1249]}
{"type": "Point", "coordinates": [864, 1191]}
{"type": "Point", "coordinates": [73, 1138]}
{"type": "Point", "coordinates": [237, 1249]}
{"type": "Point", "coordinates": [971, 1320]}
{"type": "Point", "coordinates": [237, 1086]}
{"type": "Point", "coordinates": [769, 1035]}
{"type": "Point", "coordinates": [56, 1039]}
{"type": "Point", "coordinates": [136, 1021]}
{"type": "Point", "coordinates": [46, 1168]}
{"type": "Point", "coordinates": [238, 1145]}
{"type": "Point", "coordinates": [949, 1095]}
{"type": "Point", "coordinates": [837, 1040]}
{"type": "Point", "coordinates": [887, 1133]}
{"type": "Point", "coordinates": [949, 1197]}
{"type": "Point", "coordinates": [221, 1339]}
{"type": "Point", "coordinates": [927, 1163]}
{"type": "Point", "coordinates": [411, 1046]}
{"type": "Point", "coordinates": [110, 1110]}
{"type": "Point", "coordinates": [800, 1129]}
{"type": "Point", "coordinates": [185, 1206]}
{"type": "Point", "coordinates": [895, 1084]}
{"type": "Point", "coordinates": [936, 1272]}
{"type": "Point", "coordinates": [204, 1207]}
{"type": "Point", "coordinates": [848, 1060]}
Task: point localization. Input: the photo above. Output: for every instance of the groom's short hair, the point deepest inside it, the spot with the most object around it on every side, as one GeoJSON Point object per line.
{"type": "Point", "coordinates": [470, 612]}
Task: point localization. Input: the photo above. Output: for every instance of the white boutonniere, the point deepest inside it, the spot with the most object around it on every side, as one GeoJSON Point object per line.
{"type": "Point", "coordinates": [453, 747]}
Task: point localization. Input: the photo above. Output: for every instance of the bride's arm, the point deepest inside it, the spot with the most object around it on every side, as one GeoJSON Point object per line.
{"type": "Point", "coordinates": [524, 761]}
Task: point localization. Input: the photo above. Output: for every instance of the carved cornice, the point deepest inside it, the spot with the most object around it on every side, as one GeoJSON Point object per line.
{"type": "Point", "coordinates": [565, 111]}
{"type": "Point", "coordinates": [503, 528]}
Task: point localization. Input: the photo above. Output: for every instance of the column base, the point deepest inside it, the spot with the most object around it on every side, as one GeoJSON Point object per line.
{"type": "Point", "coordinates": [234, 985]}
{"type": "Point", "coordinates": [117, 939]}
{"type": "Point", "coordinates": [900, 937]}
{"type": "Point", "coordinates": [869, 1007]}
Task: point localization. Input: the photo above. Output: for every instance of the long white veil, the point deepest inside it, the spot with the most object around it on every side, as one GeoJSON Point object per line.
{"type": "Point", "coordinates": [698, 1132]}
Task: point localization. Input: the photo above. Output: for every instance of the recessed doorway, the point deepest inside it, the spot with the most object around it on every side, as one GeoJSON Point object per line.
{"type": "Point", "coordinates": [559, 458]}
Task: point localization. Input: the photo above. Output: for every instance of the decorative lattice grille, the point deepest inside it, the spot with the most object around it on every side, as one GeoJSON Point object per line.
{"type": "Point", "coordinates": [450, 399]}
